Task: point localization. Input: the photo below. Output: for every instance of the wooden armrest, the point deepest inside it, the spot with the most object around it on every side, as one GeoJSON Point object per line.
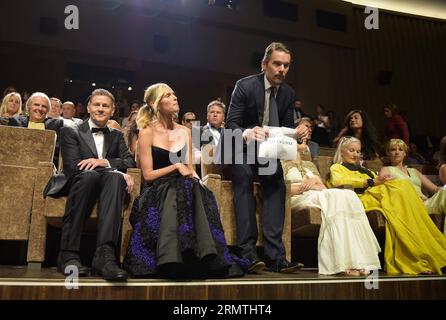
{"type": "Point", "coordinates": [135, 173]}
{"type": "Point", "coordinates": [211, 176]}
{"type": "Point", "coordinates": [134, 170]}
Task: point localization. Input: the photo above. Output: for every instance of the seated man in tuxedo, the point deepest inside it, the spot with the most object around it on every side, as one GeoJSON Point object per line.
{"type": "Point", "coordinates": [95, 158]}
{"type": "Point", "coordinates": [259, 101]}
{"type": "Point", "coordinates": [211, 132]}
{"type": "Point", "coordinates": [38, 105]}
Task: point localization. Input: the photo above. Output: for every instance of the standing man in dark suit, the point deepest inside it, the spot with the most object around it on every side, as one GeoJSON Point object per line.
{"type": "Point", "coordinates": [259, 101]}
{"type": "Point", "coordinates": [95, 158]}
{"type": "Point", "coordinates": [38, 106]}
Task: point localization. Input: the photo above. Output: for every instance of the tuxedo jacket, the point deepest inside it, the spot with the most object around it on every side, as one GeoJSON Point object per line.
{"type": "Point", "coordinates": [50, 124]}
{"type": "Point", "coordinates": [78, 144]}
{"type": "Point", "coordinates": [205, 136]}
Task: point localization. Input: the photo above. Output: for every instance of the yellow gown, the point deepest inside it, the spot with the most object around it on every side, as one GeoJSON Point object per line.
{"type": "Point", "coordinates": [413, 242]}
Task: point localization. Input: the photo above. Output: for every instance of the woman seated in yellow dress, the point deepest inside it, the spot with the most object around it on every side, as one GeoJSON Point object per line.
{"type": "Point", "coordinates": [346, 243]}
{"type": "Point", "coordinates": [397, 151]}
{"type": "Point", "coordinates": [414, 245]}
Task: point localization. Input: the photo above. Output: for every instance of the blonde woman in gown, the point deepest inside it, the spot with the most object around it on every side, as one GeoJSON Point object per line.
{"type": "Point", "coordinates": [397, 151]}
{"type": "Point", "coordinates": [414, 245]}
{"type": "Point", "coordinates": [346, 243]}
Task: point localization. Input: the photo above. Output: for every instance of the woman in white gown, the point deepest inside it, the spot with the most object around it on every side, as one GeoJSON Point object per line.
{"type": "Point", "coordinates": [346, 243]}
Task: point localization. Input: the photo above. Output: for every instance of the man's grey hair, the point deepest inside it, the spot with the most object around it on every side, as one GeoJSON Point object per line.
{"type": "Point", "coordinates": [217, 103]}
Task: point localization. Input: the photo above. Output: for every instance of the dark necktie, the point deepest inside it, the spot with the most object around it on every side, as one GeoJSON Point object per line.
{"type": "Point", "coordinates": [273, 111]}
{"type": "Point", "coordinates": [104, 130]}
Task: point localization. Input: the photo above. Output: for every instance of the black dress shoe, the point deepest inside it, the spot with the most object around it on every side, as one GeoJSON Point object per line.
{"type": "Point", "coordinates": [283, 266]}
{"type": "Point", "coordinates": [104, 265]}
{"type": "Point", "coordinates": [234, 271]}
{"type": "Point", "coordinates": [256, 266]}
{"type": "Point", "coordinates": [71, 260]}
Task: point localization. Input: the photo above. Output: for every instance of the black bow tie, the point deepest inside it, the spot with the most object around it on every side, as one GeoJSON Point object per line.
{"type": "Point", "coordinates": [104, 130]}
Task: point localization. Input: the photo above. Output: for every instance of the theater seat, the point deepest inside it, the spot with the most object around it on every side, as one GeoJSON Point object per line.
{"type": "Point", "coordinates": [21, 150]}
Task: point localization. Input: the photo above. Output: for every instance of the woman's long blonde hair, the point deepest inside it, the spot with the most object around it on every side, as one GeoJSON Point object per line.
{"type": "Point", "coordinates": [149, 112]}
{"type": "Point", "coordinates": [343, 143]}
{"type": "Point", "coordinates": [4, 106]}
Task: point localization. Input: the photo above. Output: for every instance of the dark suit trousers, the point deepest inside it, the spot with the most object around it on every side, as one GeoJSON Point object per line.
{"type": "Point", "coordinates": [86, 188]}
{"type": "Point", "coordinates": [273, 211]}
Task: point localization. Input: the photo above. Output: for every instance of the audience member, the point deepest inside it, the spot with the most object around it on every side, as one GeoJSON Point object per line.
{"type": "Point", "coordinates": [81, 111]}
{"type": "Point", "coordinates": [95, 158]}
{"type": "Point", "coordinates": [397, 151]}
{"type": "Point", "coordinates": [259, 101]}
{"type": "Point", "coordinates": [298, 113]}
{"type": "Point", "coordinates": [321, 119]}
{"type": "Point", "coordinates": [358, 124]}
{"type": "Point", "coordinates": [414, 245]}
{"type": "Point", "coordinates": [55, 111]}
{"type": "Point", "coordinates": [177, 231]}
{"type": "Point", "coordinates": [38, 106]}
{"type": "Point", "coordinates": [134, 108]}
{"type": "Point", "coordinates": [11, 105]}
{"type": "Point", "coordinates": [211, 132]}
{"type": "Point", "coordinates": [413, 156]}
{"type": "Point", "coordinates": [307, 145]}
{"type": "Point", "coordinates": [68, 112]}
{"type": "Point", "coordinates": [131, 132]}
{"type": "Point", "coordinates": [321, 126]}
{"type": "Point", "coordinates": [396, 127]}
{"type": "Point", "coordinates": [188, 119]}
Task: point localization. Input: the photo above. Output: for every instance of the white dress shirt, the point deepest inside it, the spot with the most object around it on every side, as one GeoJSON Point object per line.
{"type": "Point", "coordinates": [98, 138]}
{"type": "Point", "coordinates": [215, 133]}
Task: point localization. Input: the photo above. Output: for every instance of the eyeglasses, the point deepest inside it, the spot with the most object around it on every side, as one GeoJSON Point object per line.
{"type": "Point", "coordinates": [189, 120]}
